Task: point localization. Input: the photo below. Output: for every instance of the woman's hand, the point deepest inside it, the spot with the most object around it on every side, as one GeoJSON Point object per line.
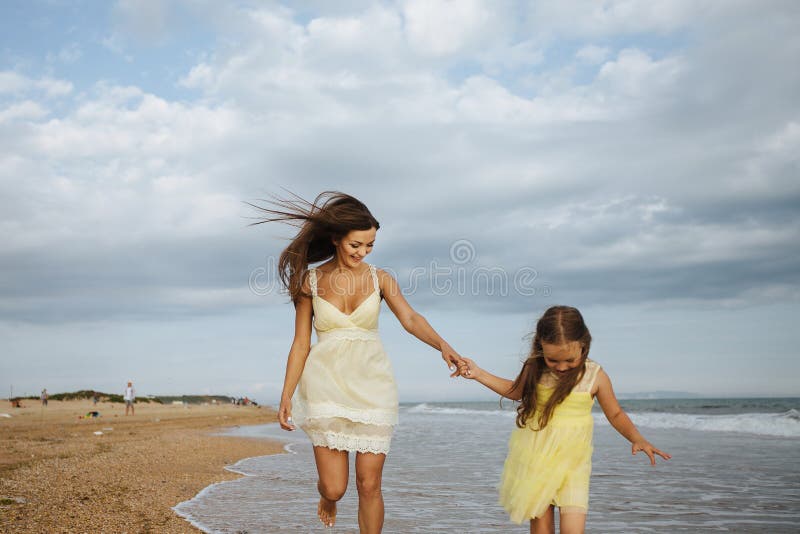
{"type": "Point", "coordinates": [285, 415]}
{"type": "Point", "coordinates": [469, 369]}
{"type": "Point", "coordinates": [647, 447]}
{"type": "Point", "coordinates": [451, 358]}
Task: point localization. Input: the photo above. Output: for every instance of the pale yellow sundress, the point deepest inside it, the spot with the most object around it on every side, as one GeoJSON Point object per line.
{"type": "Point", "coordinates": [552, 466]}
{"type": "Point", "coordinates": [347, 397]}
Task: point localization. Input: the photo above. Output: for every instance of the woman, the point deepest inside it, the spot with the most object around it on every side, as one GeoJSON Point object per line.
{"type": "Point", "coordinates": [342, 389]}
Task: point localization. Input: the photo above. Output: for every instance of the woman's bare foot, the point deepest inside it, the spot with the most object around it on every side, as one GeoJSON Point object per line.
{"type": "Point", "coordinates": [326, 510]}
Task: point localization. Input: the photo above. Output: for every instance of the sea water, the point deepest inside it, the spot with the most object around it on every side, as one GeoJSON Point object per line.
{"type": "Point", "coordinates": [735, 468]}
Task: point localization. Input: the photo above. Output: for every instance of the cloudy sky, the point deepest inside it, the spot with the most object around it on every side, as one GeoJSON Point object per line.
{"type": "Point", "coordinates": [638, 160]}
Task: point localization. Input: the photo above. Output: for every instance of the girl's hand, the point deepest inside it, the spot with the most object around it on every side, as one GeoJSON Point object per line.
{"type": "Point", "coordinates": [285, 415]}
{"type": "Point", "coordinates": [451, 358]}
{"type": "Point", "coordinates": [647, 447]}
{"type": "Point", "coordinates": [468, 369]}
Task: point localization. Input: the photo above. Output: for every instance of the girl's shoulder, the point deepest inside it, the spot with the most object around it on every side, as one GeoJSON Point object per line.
{"type": "Point", "coordinates": [592, 370]}
{"type": "Point", "coordinates": [589, 376]}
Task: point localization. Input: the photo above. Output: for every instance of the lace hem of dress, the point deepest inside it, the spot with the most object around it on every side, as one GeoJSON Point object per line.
{"type": "Point", "coordinates": [331, 410]}
{"type": "Point", "coordinates": [347, 442]}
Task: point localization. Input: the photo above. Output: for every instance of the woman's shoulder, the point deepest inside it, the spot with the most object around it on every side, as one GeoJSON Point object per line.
{"type": "Point", "coordinates": [379, 271]}
{"type": "Point", "coordinates": [384, 275]}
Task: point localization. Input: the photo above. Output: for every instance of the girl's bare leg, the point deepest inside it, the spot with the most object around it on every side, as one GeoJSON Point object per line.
{"type": "Point", "coordinates": [369, 472]}
{"type": "Point", "coordinates": [333, 468]}
{"type": "Point", "coordinates": [545, 524]}
{"type": "Point", "coordinates": [571, 523]}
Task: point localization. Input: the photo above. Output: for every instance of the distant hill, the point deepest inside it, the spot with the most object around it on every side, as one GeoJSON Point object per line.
{"type": "Point", "coordinates": [193, 399]}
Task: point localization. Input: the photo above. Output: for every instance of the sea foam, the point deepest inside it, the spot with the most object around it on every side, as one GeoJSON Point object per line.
{"type": "Point", "coordinates": [786, 424]}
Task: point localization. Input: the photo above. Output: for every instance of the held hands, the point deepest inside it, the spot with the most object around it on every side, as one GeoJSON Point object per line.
{"type": "Point", "coordinates": [468, 369]}
{"type": "Point", "coordinates": [451, 358]}
{"type": "Point", "coordinates": [285, 415]}
{"type": "Point", "coordinates": [647, 447]}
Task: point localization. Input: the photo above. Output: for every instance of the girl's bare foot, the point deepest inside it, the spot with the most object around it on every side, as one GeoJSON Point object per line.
{"type": "Point", "coordinates": [326, 510]}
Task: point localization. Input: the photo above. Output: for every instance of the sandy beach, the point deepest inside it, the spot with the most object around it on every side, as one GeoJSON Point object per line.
{"type": "Point", "coordinates": [57, 474]}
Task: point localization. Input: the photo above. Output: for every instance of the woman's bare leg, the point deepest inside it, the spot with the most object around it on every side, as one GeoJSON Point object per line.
{"type": "Point", "coordinates": [369, 472]}
{"type": "Point", "coordinates": [333, 469]}
{"type": "Point", "coordinates": [571, 523]}
{"type": "Point", "coordinates": [545, 524]}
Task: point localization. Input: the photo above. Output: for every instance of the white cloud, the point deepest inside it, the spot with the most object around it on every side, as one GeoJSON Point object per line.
{"type": "Point", "coordinates": [660, 173]}
{"type": "Point", "coordinates": [54, 88]}
{"type": "Point", "coordinates": [775, 166]}
{"type": "Point", "coordinates": [345, 98]}
{"type": "Point", "coordinates": [67, 55]}
{"type": "Point", "coordinates": [15, 84]}
{"type": "Point", "coordinates": [22, 110]}
{"type": "Point", "coordinates": [593, 54]}
{"type": "Point", "coordinates": [590, 18]}
{"type": "Point", "coordinates": [634, 74]}
{"type": "Point", "coordinates": [121, 167]}
{"type": "Point", "coordinates": [444, 27]}
{"type": "Point", "coordinates": [12, 82]}
{"type": "Point", "coordinates": [145, 20]}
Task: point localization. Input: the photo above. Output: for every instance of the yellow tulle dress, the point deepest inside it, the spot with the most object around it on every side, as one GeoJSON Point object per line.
{"type": "Point", "coordinates": [346, 398]}
{"type": "Point", "coordinates": [552, 466]}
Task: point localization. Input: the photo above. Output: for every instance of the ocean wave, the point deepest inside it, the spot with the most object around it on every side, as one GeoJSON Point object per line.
{"type": "Point", "coordinates": [425, 408]}
{"type": "Point", "coordinates": [786, 424]}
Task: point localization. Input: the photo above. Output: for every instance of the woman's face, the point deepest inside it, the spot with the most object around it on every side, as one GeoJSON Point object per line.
{"type": "Point", "coordinates": [353, 248]}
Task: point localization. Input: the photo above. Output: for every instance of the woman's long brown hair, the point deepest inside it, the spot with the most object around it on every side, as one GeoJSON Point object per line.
{"type": "Point", "coordinates": [330, 217]}
{"type": "Point", "coordinates": [559, 325]}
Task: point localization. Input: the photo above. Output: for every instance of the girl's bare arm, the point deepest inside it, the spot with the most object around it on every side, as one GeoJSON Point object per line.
{"type": "Point", "coordinates": [620, 420]}
{"type": "Point", "coordinates": [501, 386]}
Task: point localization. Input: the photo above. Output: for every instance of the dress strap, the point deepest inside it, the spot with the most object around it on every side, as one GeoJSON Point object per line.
{"type": "Point", "coordinates": [312, 281]}
{"type": "Point", "coordinates": [374, 274]}
{"type": "Point", "coordinates": [589, 376]}
{"type": "Point", "coordinates": [592, 370]}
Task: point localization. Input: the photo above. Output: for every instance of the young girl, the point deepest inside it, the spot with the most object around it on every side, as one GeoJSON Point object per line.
{"type": "Point", "coordinates": [342, 388]}
{"type": "Point", "coordinates": [550, 453]}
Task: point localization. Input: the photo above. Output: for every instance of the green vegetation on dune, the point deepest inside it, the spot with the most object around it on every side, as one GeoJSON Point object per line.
{"type": "Point", "coordinates": [86, 394]}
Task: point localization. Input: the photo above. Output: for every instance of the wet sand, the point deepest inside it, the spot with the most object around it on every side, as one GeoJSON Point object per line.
{"type": "Point", "coordinates": [57, 475]}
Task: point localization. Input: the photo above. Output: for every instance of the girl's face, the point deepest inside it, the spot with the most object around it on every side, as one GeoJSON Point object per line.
{"type": "Point", "coordinates": [353, 248]}
{"type": "Point", "coordinates": [561, 358]}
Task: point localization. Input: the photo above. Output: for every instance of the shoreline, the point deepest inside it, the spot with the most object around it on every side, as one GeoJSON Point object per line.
{"type": "Point", "coordinates": [57, 474]}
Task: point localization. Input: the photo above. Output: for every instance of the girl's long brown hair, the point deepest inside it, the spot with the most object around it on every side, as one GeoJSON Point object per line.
{"type": "Point", "coordinates": [559, 325]}
{"type": "Point", "coordinates": [331, 216]}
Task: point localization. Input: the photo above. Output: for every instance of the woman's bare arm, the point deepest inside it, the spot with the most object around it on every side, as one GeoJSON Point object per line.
{"type": "Point", "coordinates": [413, 322]}
{"type": "Point", "coordinates": [301, 345]}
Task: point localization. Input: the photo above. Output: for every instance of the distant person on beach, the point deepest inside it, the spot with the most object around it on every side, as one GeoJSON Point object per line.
{"type": "Point", "coordinates": [130, 399]}
{"type": "Point", "coordinates": [550, 452]}
{"type": "Point", "coordinates": [346, 396]}
{"type": "Point", "coordinates": [44, 397]}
